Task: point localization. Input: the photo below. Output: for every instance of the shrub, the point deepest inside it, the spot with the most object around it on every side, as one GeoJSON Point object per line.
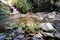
{"type": "Point", "coordinates": [25, 5]}
{"type": "Point", "coordinates": [46, 5]}
{"type": "Point", "coordinates": [4, 11]}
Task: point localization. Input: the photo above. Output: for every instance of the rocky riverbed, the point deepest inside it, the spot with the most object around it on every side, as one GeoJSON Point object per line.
{"type": "Point", "coordinates": [48, 25]}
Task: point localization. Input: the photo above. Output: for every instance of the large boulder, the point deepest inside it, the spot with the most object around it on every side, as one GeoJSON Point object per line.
{"type": "Point", "coordinates": [46, 26]}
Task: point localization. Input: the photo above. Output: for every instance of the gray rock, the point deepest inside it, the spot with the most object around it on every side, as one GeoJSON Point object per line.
{"type": "Point", "coordinates": [51, 15]}
{"type": "Point", "coordinates": [57, 35]}
{"type": "Point", "coordinates": [8, 38]}
{"type": "Point", "coordinates": [29, 38]}
{"type": "Point", "coordinates": [47, 34]}
{"type": "Point", "coordinates": [34, 38]}
{"type": "Point", "coordinates": [38, 37]}
{"type": "Point", "coordinates": [49, 38]}
{"type": "Point", "coordinates": [19, 32]}
{"type": "Point", "coordinates": [57, 24]}
{"type": "Point", "coordinates": [2, 36]}
{"type": "Point", "coordinates": [12, 34]}
{"type": "Point", "coordinates": [20, 37]}
{"type": "Point", "coordinates": [41, 16]}
{"type": "Point", "coordinates": [46, 26]}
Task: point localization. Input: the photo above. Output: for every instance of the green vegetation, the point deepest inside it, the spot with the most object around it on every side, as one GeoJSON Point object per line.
{"type": "Point", "coordinates": [37, 5]}
{"type": "Point", "coordinates": [24, 5]}
{"type": "Point", "coordinates": [30, 23]}
{"type": "Point", "coordinates": [4, 9]}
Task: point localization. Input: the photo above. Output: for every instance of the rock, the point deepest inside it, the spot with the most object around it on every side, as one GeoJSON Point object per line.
{"type": "Point", "coordinates": [9, 28]}
{"type": "Point", "coordinates": [34, 38]}
{"type": "Point", "coordinates": [51, 15]}
{"type": "Point", "coordinates": [55, 21]}
{"type": "Point", "coordinates": [19, 32]}
{"type": "Point", "coordinates": [22, 15]}
{"type": "Point", "coordinates": [20, 37]}
{"type": "Point", "coordinates": [2, 36]}
{"type": "Point", "coordinates": [46, 26]}
{"type": "Point", "coordinates": [57, 16]}
{"type": "Point", "coordinates": [40, 16]}
{"type": "Point", "coordinates": [46, 34]}
{"type": "Point", "coordinates": [57, 35]}
{"type": "Point", "coordinates": [38, 37]}
{"type": "Point", "coordinates": [8, 38]}
{"type": "Point", "coordinates": [57, 24]}
{"type": "Point", "coordinates": [12, 34]}
{"type": "Point", "coordinates": [29, 38]}
{"type": "Point", "coordinates": [49, 38]}
{"type": "Point", "coordinates": [50, 34]}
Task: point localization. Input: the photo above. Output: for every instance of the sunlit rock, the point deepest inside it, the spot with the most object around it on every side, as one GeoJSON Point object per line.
{"type": "Point", "coordinates": [46, 34]}
{"type": "Point", "coordinates": [46, 26]}
{"type": "Point", "coordinates": [41, 16]}
{"type": "Point", "coordinates": [52, 15]}
{"type": "Point", "coordinates": [38, 37]}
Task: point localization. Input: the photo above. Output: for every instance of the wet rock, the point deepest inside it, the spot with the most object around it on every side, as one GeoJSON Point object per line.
{"type": "Point", "coordinates": [46, 26]}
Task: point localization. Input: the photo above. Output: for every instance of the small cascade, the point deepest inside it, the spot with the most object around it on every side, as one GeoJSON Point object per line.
{"type": "Point", "coordinates": [15, 11]}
